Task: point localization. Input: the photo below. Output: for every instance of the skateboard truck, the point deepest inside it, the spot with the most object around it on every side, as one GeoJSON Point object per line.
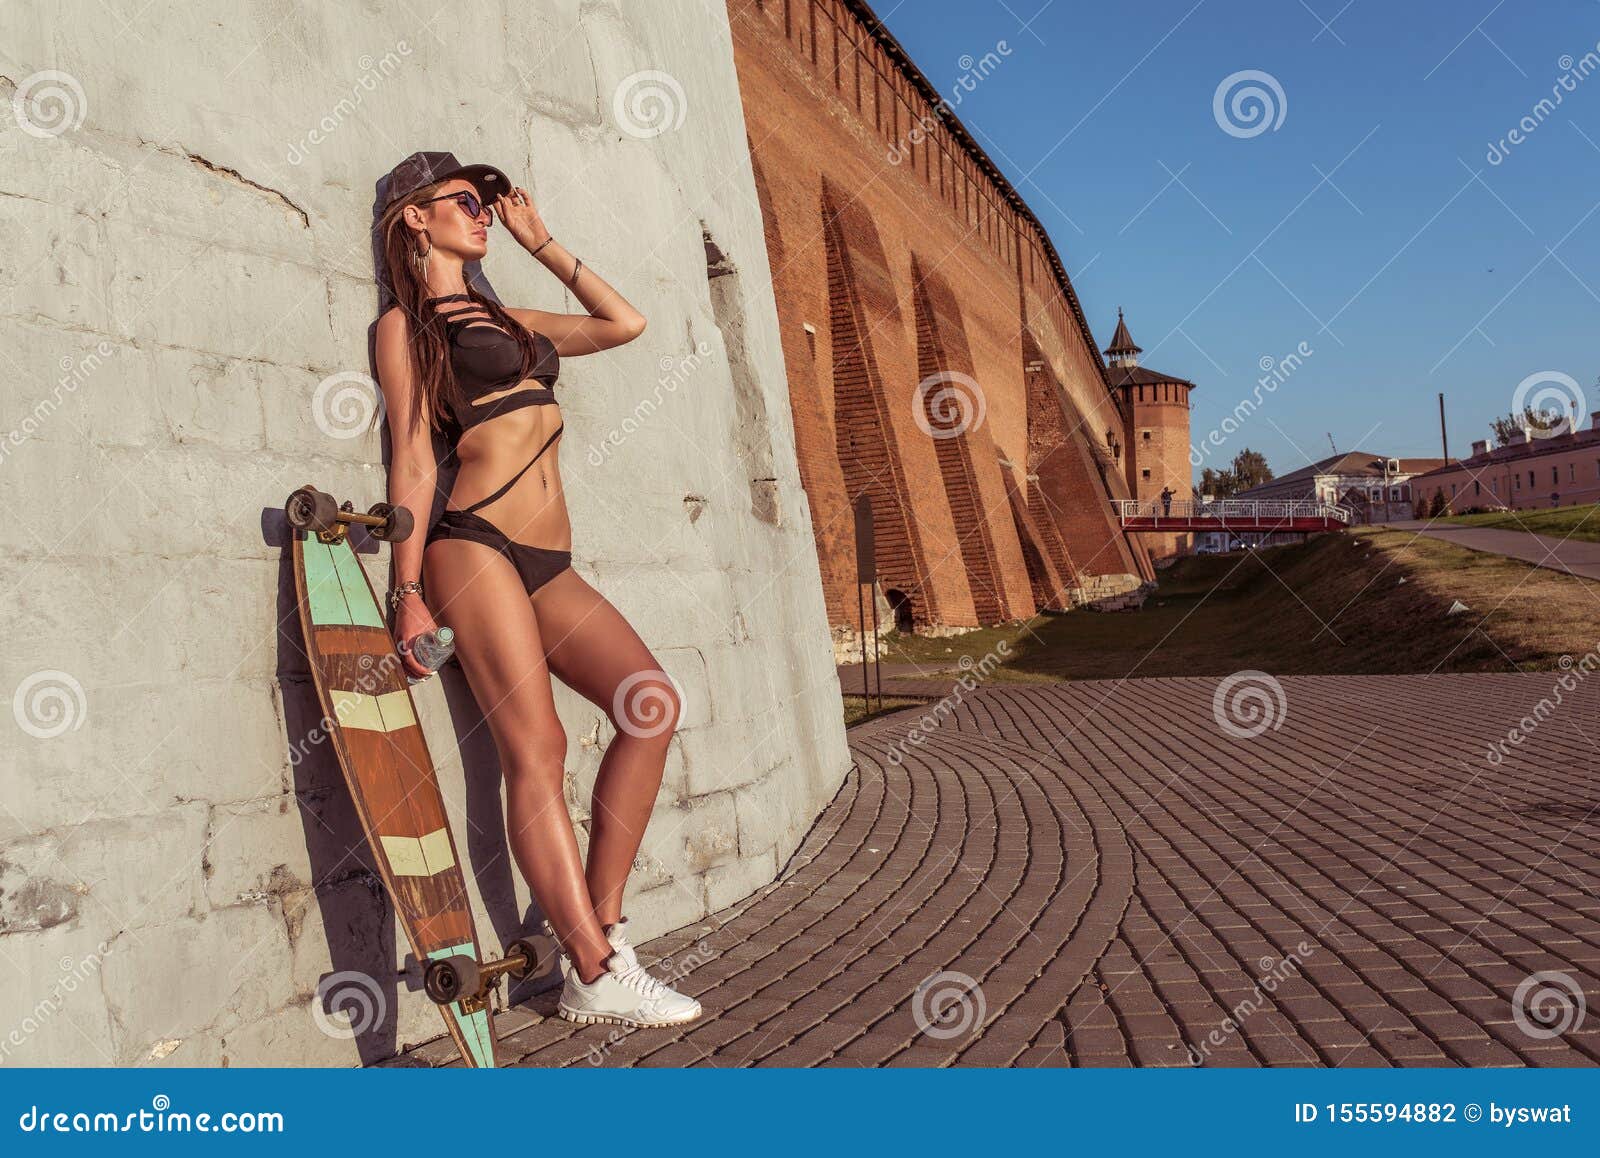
{"type": "Point", "coordinates": [468, 980]}
{"type": "Point", "coordinates": [309, 509]}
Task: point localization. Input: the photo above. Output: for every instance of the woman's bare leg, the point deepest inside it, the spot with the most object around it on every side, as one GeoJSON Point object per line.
{"type": "Point", "coordinates": [595, 652]}
{"type": "Point", "coordinates": [476, 592]}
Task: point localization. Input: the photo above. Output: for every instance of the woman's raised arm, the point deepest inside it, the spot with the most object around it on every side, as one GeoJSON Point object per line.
{"type": "Point", "coordinates": [611, 320]}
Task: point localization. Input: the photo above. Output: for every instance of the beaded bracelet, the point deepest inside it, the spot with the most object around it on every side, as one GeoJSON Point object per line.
{"type": "Point", "coordinates": [398, 593]}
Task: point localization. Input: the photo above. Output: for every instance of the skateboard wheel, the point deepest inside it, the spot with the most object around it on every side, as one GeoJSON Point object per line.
{"type": "Point", "coordinates": [450, 979]}
{"type": "Point", "coordinates": [397, 522]}
{"type": "Point", "coordinates": [529, 952]}
{"type": "Point", "coordinates": [312, 510]}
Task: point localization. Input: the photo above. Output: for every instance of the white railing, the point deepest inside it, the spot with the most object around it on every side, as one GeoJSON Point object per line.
{"type": "Point", "coordinates": [1230, 510]}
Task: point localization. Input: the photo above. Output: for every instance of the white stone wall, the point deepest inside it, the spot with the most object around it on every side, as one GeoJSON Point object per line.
{"type": "Point", "coordinates": [186, 193]}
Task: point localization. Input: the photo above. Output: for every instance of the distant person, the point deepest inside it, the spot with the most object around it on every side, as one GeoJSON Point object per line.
{"type": "Point", "coordinates": [1166, 501]}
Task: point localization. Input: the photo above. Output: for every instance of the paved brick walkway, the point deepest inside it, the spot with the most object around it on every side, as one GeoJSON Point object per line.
{"type": "Point", "coordinates": [1103, 875]}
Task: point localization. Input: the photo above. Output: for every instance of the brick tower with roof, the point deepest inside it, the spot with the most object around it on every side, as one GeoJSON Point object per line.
{"type": "Point", "coordinates": [1155, 414]}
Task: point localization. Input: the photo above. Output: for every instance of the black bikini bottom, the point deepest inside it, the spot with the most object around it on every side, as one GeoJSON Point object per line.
{"type": "Point", "coordinates": [536, 565]}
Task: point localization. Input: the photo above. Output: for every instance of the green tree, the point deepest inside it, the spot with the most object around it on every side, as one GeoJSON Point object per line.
{"type": "Point", "coordinates": [1508, 425]}
{"type": "Point", "coordinates": [1250, 469]}
{"type": "Point", "coordinates": [1217, 483]}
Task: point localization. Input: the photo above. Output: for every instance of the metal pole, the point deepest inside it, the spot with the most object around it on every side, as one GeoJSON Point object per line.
{"type": "Point", "coordinates": [1444, 438]}
{"type": "Point", "coordinates": [877, 661]}
{"type": "Point", "coordinates": [861, 618]}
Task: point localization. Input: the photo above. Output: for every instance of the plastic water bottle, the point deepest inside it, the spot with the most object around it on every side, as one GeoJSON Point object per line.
{"type": "Point", "coordinates": [430, 649]}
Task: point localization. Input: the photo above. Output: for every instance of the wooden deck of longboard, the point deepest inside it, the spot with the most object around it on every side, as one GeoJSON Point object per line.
{"type": "Point", "coordinates": [373, 722]}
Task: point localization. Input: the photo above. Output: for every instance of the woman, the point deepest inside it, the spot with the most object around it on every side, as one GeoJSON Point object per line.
{"type": "Point", "coordinates": [497, 566]}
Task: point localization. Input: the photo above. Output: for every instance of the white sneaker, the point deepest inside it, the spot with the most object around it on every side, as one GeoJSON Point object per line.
{"type": "Point", "coordinates": [625, 994]}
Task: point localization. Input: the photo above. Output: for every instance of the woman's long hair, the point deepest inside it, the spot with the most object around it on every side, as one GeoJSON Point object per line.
{"type": "Point", "coordinates": [436, 394]}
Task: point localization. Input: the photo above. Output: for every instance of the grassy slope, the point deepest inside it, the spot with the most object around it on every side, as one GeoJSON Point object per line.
{"type": "Point", "coordinates": [1333, 605]}
{"type": "Point", "coordinates": [1559, 523]}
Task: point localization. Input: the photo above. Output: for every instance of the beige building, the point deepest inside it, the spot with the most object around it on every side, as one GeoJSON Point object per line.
{"type": "Point", "coordinates": [1533, 471]}
{"type": "Point", "coordinates": [1375, 488]}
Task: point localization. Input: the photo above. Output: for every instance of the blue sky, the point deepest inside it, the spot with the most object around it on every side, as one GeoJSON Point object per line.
{"type": "Point", "coordinates": [1369, 223]}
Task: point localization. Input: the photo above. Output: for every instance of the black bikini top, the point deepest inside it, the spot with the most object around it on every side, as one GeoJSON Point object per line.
{"type": "Point", "coordinates": [487, 359]}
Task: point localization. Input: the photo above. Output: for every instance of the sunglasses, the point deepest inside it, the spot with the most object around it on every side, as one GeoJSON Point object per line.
{"type": "Point", "coordinates": [470, 205]}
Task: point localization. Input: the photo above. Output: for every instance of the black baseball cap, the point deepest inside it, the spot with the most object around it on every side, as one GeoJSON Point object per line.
{"type": "Point", "coordinates": [426, 168]}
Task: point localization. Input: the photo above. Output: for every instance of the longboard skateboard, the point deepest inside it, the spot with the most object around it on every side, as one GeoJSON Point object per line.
{"type": "Point", "coordinates": [372, 720]}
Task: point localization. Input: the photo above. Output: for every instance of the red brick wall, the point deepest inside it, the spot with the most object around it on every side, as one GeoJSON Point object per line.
{"type": "Point", "coordinates": [888, 238]}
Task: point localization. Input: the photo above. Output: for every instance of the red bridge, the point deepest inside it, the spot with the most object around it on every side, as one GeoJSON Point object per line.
{"type": "Point", "coordinates": [1236, 515]}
